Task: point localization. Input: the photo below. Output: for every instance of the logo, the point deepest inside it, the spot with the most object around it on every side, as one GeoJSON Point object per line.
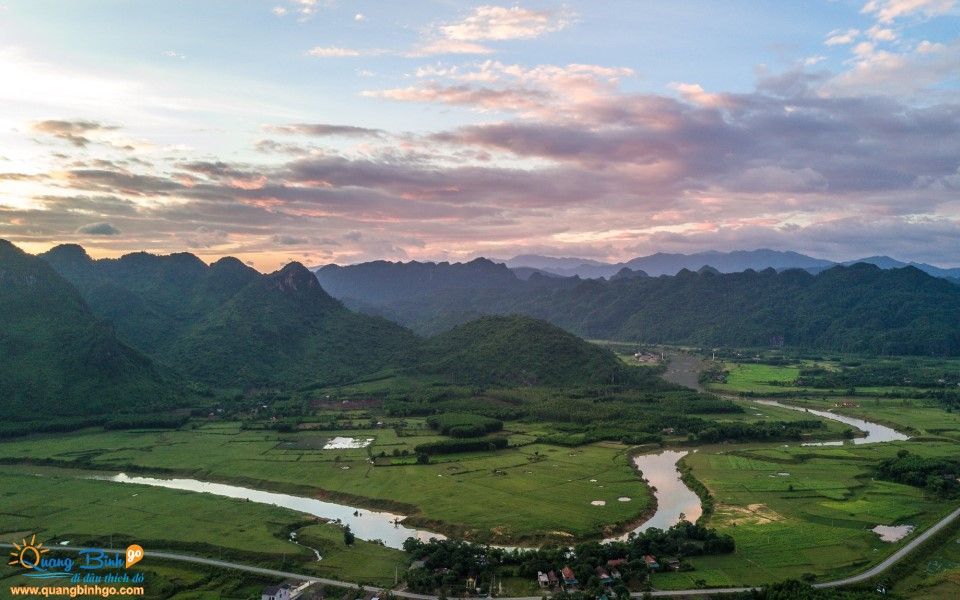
{"type": "Point", "coordinates": [28, 555]}
{"type": "Point", "coordinates": [91, 565]}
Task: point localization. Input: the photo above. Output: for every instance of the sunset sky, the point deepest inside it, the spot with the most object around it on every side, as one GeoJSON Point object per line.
{"type": "Point", "coordinates": [338, 131]}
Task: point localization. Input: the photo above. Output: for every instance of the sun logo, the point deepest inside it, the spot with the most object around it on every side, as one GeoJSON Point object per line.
{"type": "Point", "coordinates": [27, 555]}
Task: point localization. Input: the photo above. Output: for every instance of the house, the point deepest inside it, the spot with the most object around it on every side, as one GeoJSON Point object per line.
{"type": "Point", "coordinates": [613, 565]}
{"type": "Point", "coordinates": [603, 576]}
{"type": "Point", "coordinates": [651, 562]}
{"type": "Point", "coordinates": [552, 579]}
{"type": "Point", "coordinates": [277, 592]}
{"type": "Point", "coordinates": [568, 577]}
{"type": "Point", "coordinates": [543, 580]}
{"type": "Point", "coordinates": [673, 564]}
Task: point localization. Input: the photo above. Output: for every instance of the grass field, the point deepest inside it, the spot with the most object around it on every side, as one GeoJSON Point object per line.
{"type": "Point", "coordinates": [795, 510]}
{"type": "Point", "coordinates": [510, 494]}
{"type": "Point", "coordinates": [57, 506]}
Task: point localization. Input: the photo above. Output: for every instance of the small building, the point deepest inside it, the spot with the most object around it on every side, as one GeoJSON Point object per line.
{"type": "Point", "coordinates": [603, 576]}
{"type": "Point", "coordinates": [673, 564]}
{"type": "Point", "coordinates": [552, 579]}
{"type": "Point", "coordinates": [651, 562]}
{"type": "Point", "coordinates": [613, 563]}
{"type": "Point", "coordinates": [276, 592]}
{"type": "Point", "coordinates": [542, 580]}
{"type": "Point", "coordinates": [568, 577]}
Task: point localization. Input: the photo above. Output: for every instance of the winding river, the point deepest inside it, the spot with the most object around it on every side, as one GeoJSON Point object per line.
{"type": "Point", "coordinates": [659, 469]}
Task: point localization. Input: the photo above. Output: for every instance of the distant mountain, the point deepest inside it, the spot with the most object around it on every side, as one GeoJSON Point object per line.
{"type": "Point", "coordinates": [526, 273]}
{"type": "Point", "coordinates": [518, 350]}
{"type": "Point", "coordinates": [627, 273]}
{"type": "Point", "coordinates": [860, 308]}
{"type": "Point", "coordinates": [228, 325]}
{"type": "Point", "coordinates": [885, 262]}
{"type": "Point", "coordinates": [58, 359]}
{"type": "Point", "coordinates": [382, 281]}
{"type": "Point", "coordinates": [663, 263]}
{"type": "Point", "coordinates": [670, 264]}
{"type": "Point", "coordinates": [549, 263]}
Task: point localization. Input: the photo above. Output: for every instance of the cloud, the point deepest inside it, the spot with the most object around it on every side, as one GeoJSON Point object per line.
{"type": "Point", "coordinates": [325, 129]}
{"type": "Point", "coordinates": [498, 23]}
{"type": "Point", "coordinates": [359, 17]}
{"type": "Point", "coordinates": [878, 71]}
{"type": "Point", "coordinates": [99, 229]}
{"type": "Point", "coordinates": [445, 46]}
{"type": "Point", "coordinates": [289, 240]}
{"type": "Point", "coordinates": [75, 132]}
{"type": "Point", "coordinates": [887, 11]}
{"type": "Point", "coordinates": [839, 37]}
{"type": "Point", "coordinates": [174, 54]}
{"type": "Point", "coordinates": [338, 52]}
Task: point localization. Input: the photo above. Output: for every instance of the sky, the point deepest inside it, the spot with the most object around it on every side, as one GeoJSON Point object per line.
{"type": "Point", "coordinates": [336, 131]}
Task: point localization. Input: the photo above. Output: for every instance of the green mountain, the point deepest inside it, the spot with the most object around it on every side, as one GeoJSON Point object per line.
{"type": "Point", "coordinates": [284, 330]}
{"type": "Point", "coordinates": [227, 325]}
{"type": "Point", "coordinates": [517, 350]}
{"type": "Point", "coordinates": [857, 308]}
{"type": "Point", "coordinates": [58, 358]}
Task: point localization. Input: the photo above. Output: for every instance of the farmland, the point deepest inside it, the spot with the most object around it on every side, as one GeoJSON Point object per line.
{"type": "Point", "coordinates": [57, 505]}
{"type": "Point", "coordinates": [819, 503]}
{"type": "Point", "coordinates": [517, 492]}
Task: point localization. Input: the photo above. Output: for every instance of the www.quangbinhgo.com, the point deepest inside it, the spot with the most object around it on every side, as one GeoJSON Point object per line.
{"type": "Point", "coordinates": [74, 591]}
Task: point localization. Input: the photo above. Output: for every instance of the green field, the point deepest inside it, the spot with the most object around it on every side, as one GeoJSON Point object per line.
{"type": "Point", "coordinates": [530, 491]}
{"type": "Point", "coordinates": [821, 525]}
{"type": "Point", "coordinates": [795, 510]}
{"type": "Point", "coordinates": [58, 505]}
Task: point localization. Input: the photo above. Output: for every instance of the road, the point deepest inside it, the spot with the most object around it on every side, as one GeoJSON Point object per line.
{"type": "Point", "coordinates": [868, 574]}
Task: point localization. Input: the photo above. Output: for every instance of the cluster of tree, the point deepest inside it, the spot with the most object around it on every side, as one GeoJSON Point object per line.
{"type": "Point", "coordinates": [156, 421]}
{"type": "Point", "coordinates": [757, 431]}
{"type": "Point", "coordinates": [464, 425]}
{"type": "Point", "coordinates": [461, 445]}
{"type": "Point", "coordinates": [446, 563]}
{"type": "Point", "coordinates": [884, 373]}
{"type": "Point", "coordinates": [793, 589]}
{"type": "Point", "coordinates": [936, 475]}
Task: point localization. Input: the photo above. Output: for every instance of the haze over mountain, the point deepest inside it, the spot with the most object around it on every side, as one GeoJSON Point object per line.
{"type": "Point", "coordinates": [726, 262]}
{"type": "Point", "coordinates": [852, 308]}
{"type": "Point", "coordinates": [226, 324]}
{"type": "Point", "coordinates": [58, 358]}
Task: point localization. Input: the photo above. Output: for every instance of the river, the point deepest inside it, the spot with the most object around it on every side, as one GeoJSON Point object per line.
{"type": "Point", "coordinates": [659, 469]}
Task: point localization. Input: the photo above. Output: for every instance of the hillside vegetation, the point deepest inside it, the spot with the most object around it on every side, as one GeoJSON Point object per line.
{"type": "Point", "coordinates": [226, 325]}
{"type": "Point", "coordinates": [858, 308]}
{"type": "Point", "coordinates": [58, 359]}
{"type": "Point", "coordinates": [519, 350]}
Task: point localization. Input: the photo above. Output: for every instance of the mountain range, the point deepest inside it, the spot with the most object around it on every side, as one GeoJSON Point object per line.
{"type": "Point", "coordinates": [144, 333]}
{"type": "Point", "coordinates": [856, 308]}
{"type": "Point", "coordinates": [726, 262]}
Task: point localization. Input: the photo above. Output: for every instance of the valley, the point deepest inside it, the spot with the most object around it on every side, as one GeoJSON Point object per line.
{"type": "Point", "coordinates": [503, 434]}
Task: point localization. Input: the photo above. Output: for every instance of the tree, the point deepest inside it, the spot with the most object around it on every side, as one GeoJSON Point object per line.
{"type": "Point", "coordinates": [348, 537]}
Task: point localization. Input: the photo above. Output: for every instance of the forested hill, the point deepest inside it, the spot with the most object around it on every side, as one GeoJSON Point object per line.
{"type": "Point", "coordinates": [58, 359]}
{"type": "Point", "coordinates": [859, 308]}
{"type": "Point", "coordinates": [516, 350]}
{"type": "Point", "coordinates": [381, 281]}
{"type": "Point", "coordinates": [227, 325]}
